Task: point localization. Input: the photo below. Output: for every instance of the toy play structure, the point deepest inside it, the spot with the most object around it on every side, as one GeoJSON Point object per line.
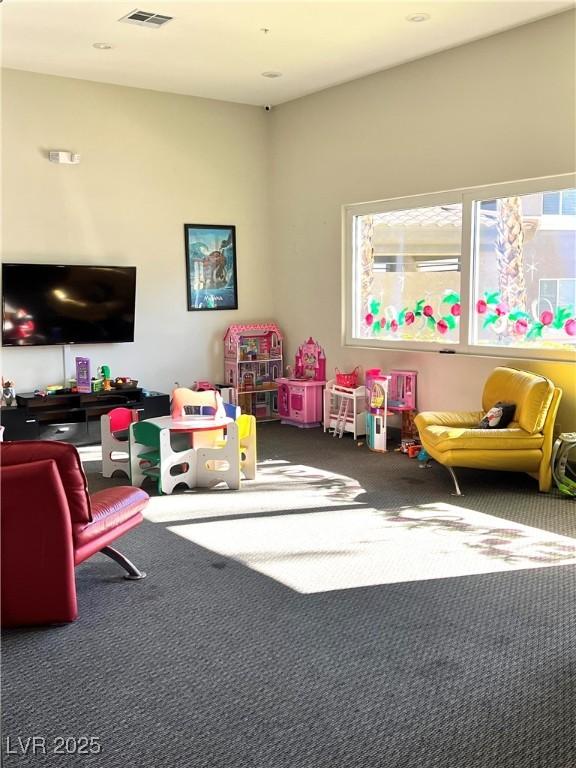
{"type": "Point", "coordinates": [344, 409]}
{"type": "Point", "coordinates": [310, 362]}
{"type": "Point", "coordinates": [388, 394]}
{"type": "Point", "coordinates": [252, 363]}
{"type": "Point", "coordinates": [376, 384]}
{"type": "Point", "coordinates": [300, 397]}
{"type": "Point", "coordinates": [402, 391]}
{"type": "Point", "coordinates": [402, 400]}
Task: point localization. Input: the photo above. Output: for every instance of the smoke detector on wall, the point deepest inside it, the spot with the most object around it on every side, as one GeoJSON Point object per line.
{"type": "Point", "coordinates": [146, 19]}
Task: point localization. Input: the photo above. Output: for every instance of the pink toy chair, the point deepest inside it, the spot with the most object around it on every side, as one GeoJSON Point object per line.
{"type": "Point", "coordinates": [114, 428]}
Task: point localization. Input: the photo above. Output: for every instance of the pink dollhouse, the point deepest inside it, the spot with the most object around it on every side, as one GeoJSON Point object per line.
{"type": "Point", "coordinates": [252, 363]}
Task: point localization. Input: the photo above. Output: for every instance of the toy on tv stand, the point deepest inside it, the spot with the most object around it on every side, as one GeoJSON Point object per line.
{"type": "Point", "coordinates": [300, 396]}
{"type": "Point", "coordinates": [104, 374]}
{"type": "Point", "coordinates": [8, 393]}
{"type": "Point", "coordinates": [83, 380]}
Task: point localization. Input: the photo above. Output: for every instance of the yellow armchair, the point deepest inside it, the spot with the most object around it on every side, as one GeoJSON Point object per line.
{"type": "Point", "coordinates": [525, 445]}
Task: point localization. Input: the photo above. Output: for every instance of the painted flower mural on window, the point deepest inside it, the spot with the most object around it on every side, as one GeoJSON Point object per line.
{"type": "Point", "coordinates": [409, 274]}
{"type": "Point", "coordinates": [421, 321]}
{"type": "Point", "coordinates": [522, 268]}
{"type": "Point", "coordinates": [525, 272]}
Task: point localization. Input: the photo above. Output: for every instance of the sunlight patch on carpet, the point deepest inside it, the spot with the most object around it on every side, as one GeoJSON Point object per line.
{"type": "Point", "coordinates": [347, 548]}
{"type": "Point", "coordinates": [278, 487]}
{"type": "Point", "coordinates": [90, 453]}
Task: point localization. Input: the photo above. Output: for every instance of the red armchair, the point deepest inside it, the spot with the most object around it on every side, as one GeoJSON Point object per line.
{"type": "Point", "coordinates": [50, 524]}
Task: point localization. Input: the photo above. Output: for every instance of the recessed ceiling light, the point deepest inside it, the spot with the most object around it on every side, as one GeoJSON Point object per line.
{"type": "Point", "coordinates": [102, 46]}
{"type": "Point", "coordinates": [417, 17]}
{"type": "Point", "coordinates": [271, 75]}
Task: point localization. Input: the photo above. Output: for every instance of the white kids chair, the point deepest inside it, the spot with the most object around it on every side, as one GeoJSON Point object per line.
{"type": "Point", "coordinates": [227, 459]}
{"type": "Point", "coordinates": [114, 427]}
{"type": "Point", "coordinates": [220, 463]}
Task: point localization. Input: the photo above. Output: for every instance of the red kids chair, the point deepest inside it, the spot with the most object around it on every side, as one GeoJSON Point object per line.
{"type": "Point", "coordinates": [50, 524]}
{"type": "Point", "coordinates": [114, 434]}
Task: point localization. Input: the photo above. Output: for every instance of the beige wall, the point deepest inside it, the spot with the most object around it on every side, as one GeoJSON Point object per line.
{"type": "Point", "coordinates": [149, 163]}
{"type": "Point", "coordinates": [496, 110]}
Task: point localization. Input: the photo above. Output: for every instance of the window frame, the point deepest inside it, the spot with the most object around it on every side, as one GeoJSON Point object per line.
{"type": "Point", "coordinates": [561, 201]}
{"type": "Point", "coordinates": [467, 197]}
{"type": "Point", "coordinates": [557, 280]}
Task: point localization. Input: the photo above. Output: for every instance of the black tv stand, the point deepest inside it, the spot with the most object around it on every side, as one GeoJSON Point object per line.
{"type": "Point", "coordinates": [73, 416]}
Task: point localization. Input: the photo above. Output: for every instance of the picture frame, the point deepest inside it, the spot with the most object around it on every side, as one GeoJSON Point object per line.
{"type": "Point", "coordinates": [211, 278]}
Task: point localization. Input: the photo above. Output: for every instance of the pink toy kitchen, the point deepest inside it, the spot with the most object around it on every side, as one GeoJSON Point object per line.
{"type": "Point", "coordinates": [300, 395]}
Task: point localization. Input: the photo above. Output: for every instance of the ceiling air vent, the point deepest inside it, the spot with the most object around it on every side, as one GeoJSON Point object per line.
{"type": "Point", "coordinates": [146, 19]}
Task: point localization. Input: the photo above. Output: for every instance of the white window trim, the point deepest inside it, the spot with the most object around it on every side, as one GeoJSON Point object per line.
{"type": "Point", "coordinates": [556, 280]}
{"type": "Point", "coordinates": [560, 222]}
{"type": "Point", "coordinates": [467, 197]}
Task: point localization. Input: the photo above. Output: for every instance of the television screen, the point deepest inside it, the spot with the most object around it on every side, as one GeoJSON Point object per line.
{"type": "Point", "coordinates": [64, 304]}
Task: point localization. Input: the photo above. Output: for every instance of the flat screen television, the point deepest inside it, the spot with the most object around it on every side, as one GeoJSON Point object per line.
{"type": "Point", "coordinates": [67, 304]}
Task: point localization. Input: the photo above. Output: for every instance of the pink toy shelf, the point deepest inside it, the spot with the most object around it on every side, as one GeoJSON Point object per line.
{"type": "Point", "coordinates": [252, 363]}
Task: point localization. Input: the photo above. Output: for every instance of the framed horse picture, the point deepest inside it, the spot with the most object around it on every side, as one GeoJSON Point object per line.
{"type": "Point", "coordinates": [211, 266]}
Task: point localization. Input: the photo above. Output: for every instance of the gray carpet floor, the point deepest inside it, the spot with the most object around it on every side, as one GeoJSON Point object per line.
{"type": "Point", "coordinates": [209, 664]}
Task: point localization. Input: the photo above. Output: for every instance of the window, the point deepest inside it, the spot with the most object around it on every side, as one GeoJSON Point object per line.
{"type": "Point", "coordinates": [407, 269]}
{"type": "Point", "coordinates": [524, 276]}
{"type": "Point", "coordinates": [561, 203]}
{"type": "Point", "coordinates": [472, 271]}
